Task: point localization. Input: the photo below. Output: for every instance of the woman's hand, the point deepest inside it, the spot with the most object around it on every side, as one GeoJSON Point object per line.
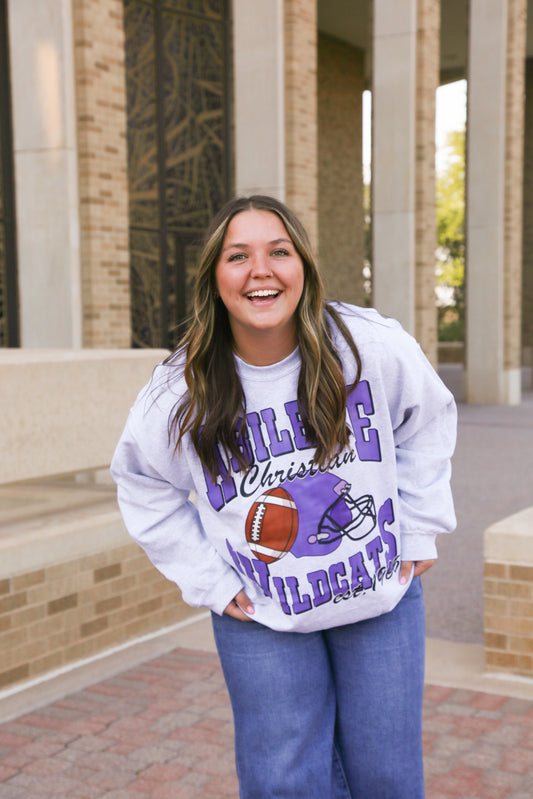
{"type": "Point", "coordinates": [421, 566]}
{"type": "Point", "coordinates": [238, 602]}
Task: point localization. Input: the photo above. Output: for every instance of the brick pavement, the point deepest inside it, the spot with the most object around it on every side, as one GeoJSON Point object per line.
{"type": "Point", "coordinates": [163, 730]}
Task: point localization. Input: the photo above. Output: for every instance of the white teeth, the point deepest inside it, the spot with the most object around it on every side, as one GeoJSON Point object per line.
{"type": "Point", "coordinates": [263, 293]}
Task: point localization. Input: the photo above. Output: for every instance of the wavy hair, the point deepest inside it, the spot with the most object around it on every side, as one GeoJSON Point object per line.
{"type": "Point", "coordinates": [214, 409]}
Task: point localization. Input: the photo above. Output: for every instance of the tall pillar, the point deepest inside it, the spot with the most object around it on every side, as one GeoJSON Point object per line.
{"type": "Point", "coordinates": [393, 158]}
{"type": "Point", "coordinates": [275, 43]}
{"type": "Point", "coordinates": [494, 200]}
{"type": "Point", "coordinates": [46, 180]}
{"type": "Point", "coordinates": [527, 252]}
{"type": "Point", "coordinates": [99, 52]}
{"type": "Point", "coordinates": [427, 81]}
{"type": "Point", "coordinates": [340, 172]}
{"type": "Point", "coordinates": [258, 58]}
{"type": "Point", "coordinates": [301, 150]}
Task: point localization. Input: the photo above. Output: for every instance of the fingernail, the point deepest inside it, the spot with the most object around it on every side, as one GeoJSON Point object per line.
{"type": "Point", "coordinates": [250, 609]}
{"type": "Point", "coordinates": [403, 580]}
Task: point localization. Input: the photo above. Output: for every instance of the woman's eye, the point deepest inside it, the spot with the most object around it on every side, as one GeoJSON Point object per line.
{"type": "Point", "coordinates": [237, 256]}
{"type": "Point", "coordinates": [280, 251]}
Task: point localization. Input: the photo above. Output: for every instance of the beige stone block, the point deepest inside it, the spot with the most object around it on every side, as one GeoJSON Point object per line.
{"type": "Point", "coordinates": [12, 639]}
{"type": "Point", "coordinates": [13, 601]}
{"type": "Point", "coordinates": [497, 606]}
{"type": "Point", "coordinates": [521, 608]}
{"type": "Point", "coordinates": [28, 580]}
{"type": "Point", "coordinates": [72, 389]}
{"type": "Point", "coordinates": [81, 649]}
{"type": "Point", "coordinates": [14, 675]}
{"type": "Point", "coordinates": [510, 541]}
{"type": "Point", "coordinates": [60, 571]}
{"type": "Point", "coordinates": [49, 626]}
{"type": "Point", "coordinates": [497, 571]}
{"type": "Point", "coordinates": [496, 641]}
{"type": "Point", "coordinates": [6, 623]}
{"type": "Point", "coordinates": [520, 645]}
{"type": "Point", "coordinates": [136, 564]}
{"type": "Point", "coordinates": [47, 663]}
{"type": "Point", "coordinates": [120, 618]}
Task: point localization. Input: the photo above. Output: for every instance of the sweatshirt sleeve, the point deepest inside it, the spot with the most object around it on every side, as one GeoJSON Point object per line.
{"type": "Point", "coordinates": [161, 518]}
{"type": "Point", "coordinates": [424, 419]}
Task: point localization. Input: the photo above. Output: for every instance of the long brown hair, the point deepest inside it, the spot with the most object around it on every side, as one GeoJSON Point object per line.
{"type": "Point", "coordinates": [214, 410]}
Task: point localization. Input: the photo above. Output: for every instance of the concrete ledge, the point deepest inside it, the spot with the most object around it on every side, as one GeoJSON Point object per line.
{"type": "Point", "coordinates": [62, 542]}
{"type": "Point", "coordinates": [511, 540]}
{"type": "Point", "coordinates": [63, 410]}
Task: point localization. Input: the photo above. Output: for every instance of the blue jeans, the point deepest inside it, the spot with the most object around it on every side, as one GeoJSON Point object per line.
{"type": "Point", "coordinates": [335, 714]}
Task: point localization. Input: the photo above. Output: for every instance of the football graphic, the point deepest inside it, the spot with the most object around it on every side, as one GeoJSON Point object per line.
{"type": "Point", "coordinates": [272, 525]}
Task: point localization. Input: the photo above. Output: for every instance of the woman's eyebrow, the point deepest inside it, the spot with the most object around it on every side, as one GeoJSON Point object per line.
{"type": "Point", "coordinates": [243, 246]}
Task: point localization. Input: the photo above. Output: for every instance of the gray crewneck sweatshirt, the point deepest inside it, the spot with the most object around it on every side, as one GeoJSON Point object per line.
{"type": "Point", "coordinates": [313, 548]}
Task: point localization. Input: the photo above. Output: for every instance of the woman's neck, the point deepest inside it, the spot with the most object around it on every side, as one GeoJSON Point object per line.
{"type": "Point", "coordinates": [264, 350]}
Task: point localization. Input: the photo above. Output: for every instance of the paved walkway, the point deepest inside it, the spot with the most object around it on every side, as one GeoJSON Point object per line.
{"type": "Point", "coordinates": [163, 730]}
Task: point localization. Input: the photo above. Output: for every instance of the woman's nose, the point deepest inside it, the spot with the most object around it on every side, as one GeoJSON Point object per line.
{"type": "Point", "coordinates": [261, 265]}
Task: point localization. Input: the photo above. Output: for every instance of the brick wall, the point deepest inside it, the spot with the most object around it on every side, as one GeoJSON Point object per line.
{"type": "Point", "coordinates": [54, 616]}
{"type": "Point", "coordinates": [508, 590]}
{"type": "Point", "coordinates": [428, 57]}
{"type": "Point", "coordinates": [102, 154]}
{"type": "Point", "coordinates": [509, 618]}
{"type": "Point", "coordinates": [340, 178]}
{"type": "Point", "coordinates": [301, 165]}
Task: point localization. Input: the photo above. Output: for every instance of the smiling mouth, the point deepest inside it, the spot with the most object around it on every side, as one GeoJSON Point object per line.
{"type": "Point", "coordinates": [263, 294]}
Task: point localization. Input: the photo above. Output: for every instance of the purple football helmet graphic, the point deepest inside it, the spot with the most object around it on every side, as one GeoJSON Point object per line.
{"type": "Point", "coordinates": [327, 513]}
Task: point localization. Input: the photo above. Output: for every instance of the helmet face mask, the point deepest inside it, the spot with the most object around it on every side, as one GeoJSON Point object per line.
{"type": "Point", "coordinates": [354, 518]}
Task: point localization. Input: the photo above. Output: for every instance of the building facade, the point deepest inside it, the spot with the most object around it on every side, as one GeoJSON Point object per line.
{"type": "Point", "coordinates": [126, 123]}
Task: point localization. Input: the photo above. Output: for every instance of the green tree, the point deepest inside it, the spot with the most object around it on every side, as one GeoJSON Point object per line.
{"type": "Point", "coordinates": [450, 255]}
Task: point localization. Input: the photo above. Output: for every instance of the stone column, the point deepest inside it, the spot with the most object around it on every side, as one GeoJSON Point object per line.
{"type": "Point", "coordinates": [340, 195]}
{"type": "Point", "coordinates": [46, 179]}
{"type": "Point", "coordinates": [101, 128]}
{"type": "Point", "coordinates": [258, 63]}
{"type": "Point", "coordinates": [301, 129]}
{"type": "Point", "coordinates": [393, 158]}
{"type": "Point", "coordinates": [427, 81]}
{"type": "Point", "coordinates": [494, 200]}
{"type": "Point", "coordinates": [527, 251]}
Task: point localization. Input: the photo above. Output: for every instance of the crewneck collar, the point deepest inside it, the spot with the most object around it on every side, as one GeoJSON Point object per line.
{"type": "Point", "coordinates": [248, 371]}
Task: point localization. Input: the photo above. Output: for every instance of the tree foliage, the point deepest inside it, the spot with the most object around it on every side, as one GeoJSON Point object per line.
{"type": "Point", "coordinates": [450, 253]}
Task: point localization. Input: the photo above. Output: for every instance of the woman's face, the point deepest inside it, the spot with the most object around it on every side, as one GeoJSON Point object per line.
{"type": "Point", "coordinates": [260, 278]}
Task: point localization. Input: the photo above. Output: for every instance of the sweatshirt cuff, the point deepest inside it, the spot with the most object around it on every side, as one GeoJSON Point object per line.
{"type": "Point", "coordinates": [419, 546]}
{"type": "Point", "coordinates": [222, 594]}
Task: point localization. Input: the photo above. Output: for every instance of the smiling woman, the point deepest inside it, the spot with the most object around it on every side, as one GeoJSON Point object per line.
{"type": "Point", "coordinates": [321, 477]}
